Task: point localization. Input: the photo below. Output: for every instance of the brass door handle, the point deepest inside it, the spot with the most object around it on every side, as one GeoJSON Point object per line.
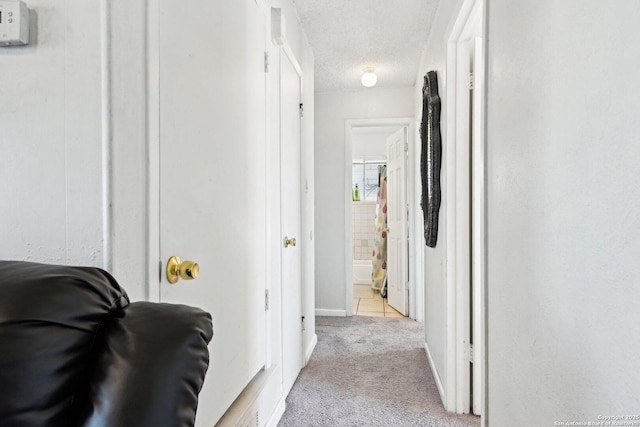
{"type": "Point", "coordinates": [289, 241]}
{"type": "Point", "coordinates": [176, 269]}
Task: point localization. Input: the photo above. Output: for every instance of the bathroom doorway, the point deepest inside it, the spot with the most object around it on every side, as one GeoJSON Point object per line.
{"type": "Point", "coordinates": [380, 258]}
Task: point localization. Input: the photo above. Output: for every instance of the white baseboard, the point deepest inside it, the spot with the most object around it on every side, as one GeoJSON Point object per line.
{"type": "Point", "coordinates": [247, 403]}
{"type": "Point", "coordinates": [310, 348]}
{"type": "Point", "coordinates": [436, 375]}
{"type": "Point", "coordinates": [330, 312]}
{"type": "Point", "coordinates": [277, 413]}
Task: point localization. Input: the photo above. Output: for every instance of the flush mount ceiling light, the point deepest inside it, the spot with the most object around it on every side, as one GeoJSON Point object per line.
{"type": "Point", "coordinates": [369, 78]}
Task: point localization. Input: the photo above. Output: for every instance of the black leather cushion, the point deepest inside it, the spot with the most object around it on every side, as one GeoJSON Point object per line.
{"type": "Point", "coordinates": [151, 364]}
{"type": "Point", "coordinates": [49, 317]}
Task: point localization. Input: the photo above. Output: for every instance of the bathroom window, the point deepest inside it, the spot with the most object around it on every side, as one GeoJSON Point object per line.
{"type": "Point", "coordinates": [365, 174]}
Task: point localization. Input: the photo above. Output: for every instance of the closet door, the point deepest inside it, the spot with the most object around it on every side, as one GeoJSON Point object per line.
{"type": "Point", "coordinates": [212, 180]}
{"type": "Point", "coordinates": [290, 222]}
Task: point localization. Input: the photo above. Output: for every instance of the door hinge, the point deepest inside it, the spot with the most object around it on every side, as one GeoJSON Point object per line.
{"type": "Point", "coordinates": [303, 323]}
{"type": "Point", "coordinates": [301, 110]}
{"type": "Point", "coordinates": [266, 300]}
{"type": "Point", "coordinates": [266, 62]}
{"type": "Point", "coordinates": [469, 353]}
{"type": "Point", "coordinates": [470, 80]}
{"type": "Point", "coordinates": [406, 147]}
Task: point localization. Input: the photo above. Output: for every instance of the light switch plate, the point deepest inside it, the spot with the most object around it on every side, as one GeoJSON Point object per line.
{"type": "Point", "coordinates": [14, 23]}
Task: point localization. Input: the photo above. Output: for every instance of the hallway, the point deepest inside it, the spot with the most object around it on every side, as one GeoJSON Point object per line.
{"type": "Point", "coordinates": [368, 371]}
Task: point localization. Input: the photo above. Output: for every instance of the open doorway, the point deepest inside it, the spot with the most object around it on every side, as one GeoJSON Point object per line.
{"type": "Point", "coordinates": [369, 220]}
{"type": "Point", "coordinates": [378, 222]}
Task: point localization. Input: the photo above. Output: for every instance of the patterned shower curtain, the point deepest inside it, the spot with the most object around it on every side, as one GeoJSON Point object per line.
{"type": "Point", "coordinates": [379, 255]}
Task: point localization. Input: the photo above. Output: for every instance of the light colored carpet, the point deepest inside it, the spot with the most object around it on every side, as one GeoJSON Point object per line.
{"type": "Point", "coordinates": [368, 371]}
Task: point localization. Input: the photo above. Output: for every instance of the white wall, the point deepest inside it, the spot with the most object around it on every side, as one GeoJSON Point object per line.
{"type": "Point", "coordinates": [563, 206]}
{"type": "Point", "coordinates": [434, 58]}
{"type": "Point", "coordinates": [75, 140]}
{"type": "Point", "coordinates": [370, 145]}
{"type": "Point", "coordinates": [50, 136]}
{"type": "Point", "coordinates": [332, 109]}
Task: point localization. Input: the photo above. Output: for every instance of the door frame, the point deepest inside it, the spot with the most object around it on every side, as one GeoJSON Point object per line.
{"type": "Point", "coordinates": [284, 52]}
{"type": "Point", "coordinates": [458, 205]}
{"type": "Point", "coordinates": [415, 271]}
{"type": "Point", "coordinates": [277, 50]}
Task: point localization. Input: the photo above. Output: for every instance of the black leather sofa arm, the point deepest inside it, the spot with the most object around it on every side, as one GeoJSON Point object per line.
{"type": "Point", "coordinates": [151, 365]}
{"type": "Point", "coordinates": [74, 351]}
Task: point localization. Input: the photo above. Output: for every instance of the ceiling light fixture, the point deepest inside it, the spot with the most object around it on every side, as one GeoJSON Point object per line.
{"type": "Point", "coordinates": [369, 78]}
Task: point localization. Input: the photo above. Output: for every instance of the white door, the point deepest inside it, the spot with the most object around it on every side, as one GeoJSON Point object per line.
{"type": "Point", "coordinates": [477, 221]}
{"type": "Point", "coordinates": [212, 180]}
{"type": "Point", "coordinates": [397, 222]}
{"type": "Point", "coordinates": [290, 222]}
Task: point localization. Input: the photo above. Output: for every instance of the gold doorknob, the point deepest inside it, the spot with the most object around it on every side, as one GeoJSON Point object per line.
{"type": "Point", "coordinates": [289, 241]}
{"type": "Point", "coordinates": [177, 269]}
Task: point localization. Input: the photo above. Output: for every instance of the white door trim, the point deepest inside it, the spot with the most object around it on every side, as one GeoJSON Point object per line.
{"type": "Point", "coordinates": [479, 239]}
{"type": "Point", "coordinates": [416, 293]}
{"type": "Point", "coordinates": [106, 134]}
{"type": "Point", "coordinates": [416, 226]}
{"type": "Point", "coordinates": [154, 264]}
{"type": "Point", "coordinates": [458, 272]}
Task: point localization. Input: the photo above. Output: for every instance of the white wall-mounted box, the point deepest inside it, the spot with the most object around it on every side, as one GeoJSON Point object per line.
{"type": "Point", "coordinates": [14, 23]}
{"type": "Point", "coordinates": [278, 26]}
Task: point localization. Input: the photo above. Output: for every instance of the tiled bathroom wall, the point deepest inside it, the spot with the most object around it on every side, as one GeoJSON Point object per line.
{"type": "Point", "coordinates": [363, 215]}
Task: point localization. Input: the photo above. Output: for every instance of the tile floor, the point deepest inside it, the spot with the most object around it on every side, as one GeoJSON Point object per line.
{"type": "Point", "coordinates": [367, 302]}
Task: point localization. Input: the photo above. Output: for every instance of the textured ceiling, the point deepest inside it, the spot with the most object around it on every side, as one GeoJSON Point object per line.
{"type": "Point", "coordinates": [349, 35]}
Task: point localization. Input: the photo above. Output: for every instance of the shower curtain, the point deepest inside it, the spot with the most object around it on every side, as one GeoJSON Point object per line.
{"type": "Point", "coordinates": [379, 255]}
